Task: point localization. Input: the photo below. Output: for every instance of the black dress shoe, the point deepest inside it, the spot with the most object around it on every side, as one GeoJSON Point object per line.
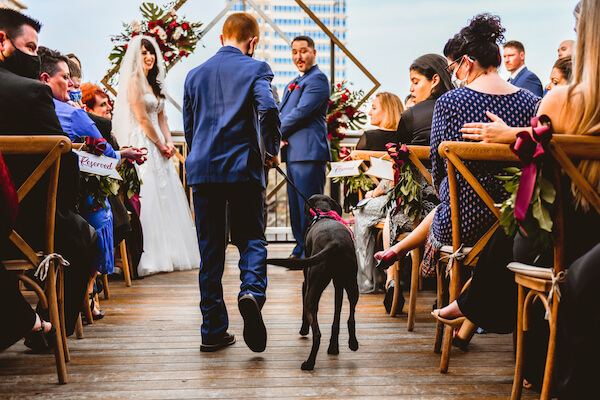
{"type": "Point", "coordinates": [255, 332]}
{"type": "Point", "coordinates": [226, 340]}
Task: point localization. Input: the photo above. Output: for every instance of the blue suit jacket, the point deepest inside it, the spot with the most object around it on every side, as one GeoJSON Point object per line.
{"type": "Point", "coordinates": [230, 119]}
{"type": "Point", "coordinates": [528, 80]}
{"type": "Point", "coordinates": [303, 111]}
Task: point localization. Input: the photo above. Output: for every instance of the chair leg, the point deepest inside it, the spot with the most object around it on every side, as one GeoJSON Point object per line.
{"type": "Point", "coordinates": [394, 310]}
{"type": "Point", "coordinates": [455, 287]}
{"type": "Point", "coordinates": [59, 355]}
{"type": "Point", "coordinates": [125, 262]}
{"type": "Point", "coordinates": [87, 310]}
{"type": "Point", "coordinates": [439, 330]}
{"type": "Point", "coordinates": [518, 379]}
{"type": "Point", "coordinates": [61, 313]}
{"type": "Point", "coordinates": [79, 328]}
{"type": "Point", "coordinates": [106, 287]}
{"type": "Point", "coordinates": [550, 357]}
{"type": "Point", "coordinates": [414, 283]}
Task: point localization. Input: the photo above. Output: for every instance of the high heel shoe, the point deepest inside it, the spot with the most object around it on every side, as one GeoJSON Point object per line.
{"type": "Point", "coordinates": [454, 322]}
{"type": "Point", "coordinates": [385, 258]}
{"type": "Point", "coordinates": [100, 314]}
{"type": "Point", "coordinates": [39, 341]}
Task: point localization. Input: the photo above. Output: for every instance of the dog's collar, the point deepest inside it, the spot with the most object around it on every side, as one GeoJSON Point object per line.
{"type": "Point", "coordinates": [327, 214]}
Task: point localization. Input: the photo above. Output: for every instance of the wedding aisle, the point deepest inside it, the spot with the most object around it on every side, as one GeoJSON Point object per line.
{"type": "Point", "coordinates": [147, 347]}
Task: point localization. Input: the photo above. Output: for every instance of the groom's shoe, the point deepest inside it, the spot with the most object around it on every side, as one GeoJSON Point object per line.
{"type": "Point", "coordinates": [255, 332]}
{"type": "Point", "coordinates": [226, 340]}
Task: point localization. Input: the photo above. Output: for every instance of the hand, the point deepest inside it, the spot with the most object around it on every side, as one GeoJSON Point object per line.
{"type": "Point", "coordinates": [171, 146]}
{"type": "Point", "coordinates": [132, 153]}
{"type": "Point", "coordinates": [164, 149]}
{"type": "Point", "coordinates": [283, 144]}
{"type": "Point", "coordinates": [491, 132]}
{"type": "Point", "coordinates": [272, 161]}
{"type": "Point", "coordinates": [369, 194]}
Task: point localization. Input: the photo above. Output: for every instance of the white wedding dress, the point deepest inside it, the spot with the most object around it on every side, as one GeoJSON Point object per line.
{"type": "Point", "coordinates": [170, 241]}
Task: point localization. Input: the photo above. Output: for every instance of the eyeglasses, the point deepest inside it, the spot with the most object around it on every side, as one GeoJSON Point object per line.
{"type": "Point", "coordinates": [450, 66]}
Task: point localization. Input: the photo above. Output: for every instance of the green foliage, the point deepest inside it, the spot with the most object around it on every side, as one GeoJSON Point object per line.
{"type": "Point", "coordinates": [131, 182]}
{"type": "Point", "coordinates": [355, 183]}
{"type": "Point", "coordinates": [538, 220]}
{"type": "Point", "coordinates": [406, 197]}
{"type": "Point", "coordinates": [98, 188]}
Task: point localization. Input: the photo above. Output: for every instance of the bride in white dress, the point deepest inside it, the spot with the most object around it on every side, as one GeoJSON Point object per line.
{"type": "Point", "coordinates": [170, 242]}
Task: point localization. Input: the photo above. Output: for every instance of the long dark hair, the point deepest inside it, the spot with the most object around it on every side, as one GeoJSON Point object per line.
{"type": "Point", "coordinates": [153, 73]}
{"type": "Point", "coordinates": [430, 65]}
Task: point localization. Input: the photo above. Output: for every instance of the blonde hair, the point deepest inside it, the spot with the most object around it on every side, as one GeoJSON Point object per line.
{"type": "Point", "coordinates": [582, 103]}
{"type": "Point", "coordinates": [392, 108]}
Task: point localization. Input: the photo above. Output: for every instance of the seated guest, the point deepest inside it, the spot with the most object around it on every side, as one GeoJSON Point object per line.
{"type": "Point", "coordinates": [520, 76]}
{"type": "Point", "coordinates": [481, 88]}
{"type": "Point", "coordinates": [75, 90]}
{"type": "Point", "coordinates": [76, 123]}
{"type": "Point", "coordinates": [565, 49]}
{"type": "Point", "coordinates": [96, 101]}
{"type": "Point", "coordinates": [429, 80]}
{"type": "Point", "coordinates": [490, 300]}
{"type": "Point", "coordinates": [26, 108]}
{"type": "Point", "coordinates": [561, 73]}
{"type": "Point", "coordinates": [385, 113]}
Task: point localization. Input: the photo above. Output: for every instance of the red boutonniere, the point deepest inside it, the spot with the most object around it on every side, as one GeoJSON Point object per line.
{"type": "Point", "coordinates": [293, 87]}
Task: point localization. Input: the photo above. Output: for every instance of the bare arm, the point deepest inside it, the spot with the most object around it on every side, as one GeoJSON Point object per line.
{"type": "Point", "coordinates": [164, 128]}
{"type": "Point", "coordinates": [141, 115]}
{"type": "Point", "coordinates": [492, 132]}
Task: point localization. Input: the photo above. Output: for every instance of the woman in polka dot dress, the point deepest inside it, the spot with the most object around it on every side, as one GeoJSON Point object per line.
{"type": "Point", "coordinates": [479, 89]}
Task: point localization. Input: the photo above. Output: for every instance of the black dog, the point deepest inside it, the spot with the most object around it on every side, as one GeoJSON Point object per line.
{"type": "Point", "coordinates": [330, 253]}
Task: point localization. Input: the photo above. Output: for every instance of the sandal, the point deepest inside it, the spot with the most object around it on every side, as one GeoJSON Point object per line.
{"type": "Point", "coordinates": [39, 341]}
{"type": "Point", "coordinates": [100, 314]}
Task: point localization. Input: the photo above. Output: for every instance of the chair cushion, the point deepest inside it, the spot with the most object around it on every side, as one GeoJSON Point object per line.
{"type": "Point", "coordinates": [530, 270]}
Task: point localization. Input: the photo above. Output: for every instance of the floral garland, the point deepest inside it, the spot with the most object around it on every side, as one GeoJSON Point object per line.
{"type": "Point", "coordinates": [131, 181]}
{"type": "Point", "coordinates": [406, 195]}
{"type": "Point", "coordinates": [343, 113]}
{"type": "Point", "coordinates": [176, 37]}
{"type": "Point", "coordinates": [532, 196]}
{"type": "Point", "coordinates": [94, 189]}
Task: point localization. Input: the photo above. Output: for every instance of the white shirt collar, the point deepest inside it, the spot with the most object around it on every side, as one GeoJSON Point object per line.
{"type": "Point", "coordinates": [302, 73]}
{"type": "Point", "coordinates": [515, 73]}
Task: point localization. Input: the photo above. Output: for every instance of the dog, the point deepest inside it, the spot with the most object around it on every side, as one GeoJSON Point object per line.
{"type": "Point", "coordinates": [330, 255]}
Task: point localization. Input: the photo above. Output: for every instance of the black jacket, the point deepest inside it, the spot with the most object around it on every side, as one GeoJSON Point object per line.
{"type": "Point", "coordinates": [415, 124]}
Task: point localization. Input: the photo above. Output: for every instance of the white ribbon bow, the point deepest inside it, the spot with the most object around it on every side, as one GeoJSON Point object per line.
{"type": "Point", "coordinates": [458, 255]}
{"type": "Point", "coordinates": [556, 279]}
{"type": "Point", "coordinates": [42, 270]}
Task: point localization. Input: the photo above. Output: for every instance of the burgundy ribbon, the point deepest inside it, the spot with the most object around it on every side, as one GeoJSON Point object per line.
{"type": "Point", "coordinates": [530, 150]}
{"type": "Point", "coordinates": [95, 146]}
{"type": "Point", "coordinates": [332, 214]}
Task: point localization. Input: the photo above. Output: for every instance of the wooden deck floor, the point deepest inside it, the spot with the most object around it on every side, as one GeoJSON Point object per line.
{"type": "Point", "coordinates": [147, 347]}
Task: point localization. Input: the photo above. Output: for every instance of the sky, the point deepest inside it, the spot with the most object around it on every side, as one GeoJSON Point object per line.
{"type": "Point", "coordinates": [384, 35]}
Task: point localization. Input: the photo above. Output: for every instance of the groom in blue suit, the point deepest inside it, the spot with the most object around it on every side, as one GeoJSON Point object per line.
{"type": "Point", "coordinates": [231, 127]}
{"type": "Point", "coordinates": [304, 132]}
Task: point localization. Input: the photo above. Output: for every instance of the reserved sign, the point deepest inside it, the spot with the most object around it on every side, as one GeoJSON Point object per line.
{"type": "Point", "coordinates": [344, 168]}
{"type": "Point", "coordinates": [382, 169]}
{"type": "Point", "coordinates": [98, 165]}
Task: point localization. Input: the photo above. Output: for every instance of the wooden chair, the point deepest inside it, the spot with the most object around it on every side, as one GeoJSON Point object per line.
{"type": "Point", "coordinates": [534, 282]}
{"type": "Point", "coordinates": [52, 147]}
{"type": "Point", "coordinates": [455, 153]}
{"type": "Point", "coordinates": [417, 155]}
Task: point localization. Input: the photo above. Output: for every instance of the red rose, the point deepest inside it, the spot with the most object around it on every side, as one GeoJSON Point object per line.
{"type": "Point", "coordinates": [338, 114]}
{"type": "Point", "coordinates": [339, 85]}
{"type": "Point", "coordinates": [329, 136]}
{"type": "Point", "coordinates": [151, 25]}
{"type": "Point", "coordinates": [344, 97]}
{"type": "Point", "coordinates": [330, 103]}
{"type": "Point", "coordinates": [166, 58]}
{"type": "Point", "coordinates": [350, 111]}
{"type": "Point", "coordinates": [181, 53]}
{"type": "Point", "coordinates": [341, 136]}
{"type": "Point", "coordinates": [134, 34]}
{"type": "Point", "coordinates": [185, 26]}
{"type": "Point", "coordinates": [125, 46]}
{"type": "Point", "coordinates": [330, 119]}
{"type": "Point", "coordinates": [173, 25]}
{"type": "Point", "coordinates": [160, 22]}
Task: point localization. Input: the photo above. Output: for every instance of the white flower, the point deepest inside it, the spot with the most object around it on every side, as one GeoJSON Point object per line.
{"type": "Point", "coordinates": [177, 33]}
{"type": "Point", "coordinates": [135, 26]}
{"type": "Point", "coordinates": [173, 12]}
{"type": "Point", "coordinates": [168, 54]}
{"type": "Point", "coordinates": [161, 33]}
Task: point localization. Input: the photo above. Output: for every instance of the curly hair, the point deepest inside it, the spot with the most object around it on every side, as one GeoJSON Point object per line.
{"type": "Point", "coordinates": [481, 39]}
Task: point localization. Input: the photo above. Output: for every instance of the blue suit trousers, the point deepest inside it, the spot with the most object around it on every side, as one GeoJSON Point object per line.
{"type": "Point", "coordinates": [246, 207]}
{"type": "Point", "coordinates": [309, 178]}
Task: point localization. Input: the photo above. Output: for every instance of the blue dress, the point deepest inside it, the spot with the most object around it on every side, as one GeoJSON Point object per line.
{"type": "Point", "coordinates": [76, 123]}
{"type": "Point", "coordinates": [452, 111]}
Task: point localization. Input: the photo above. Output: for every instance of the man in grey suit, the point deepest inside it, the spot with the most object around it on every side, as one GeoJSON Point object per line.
{"type": "Point", "coordinates": [520, 76]}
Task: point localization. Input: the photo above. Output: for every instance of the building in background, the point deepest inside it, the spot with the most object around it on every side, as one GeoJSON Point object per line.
{"type": "Point", "coordinates": [17, 5]}
{"type": "Point", "coordinates": [293, 21]}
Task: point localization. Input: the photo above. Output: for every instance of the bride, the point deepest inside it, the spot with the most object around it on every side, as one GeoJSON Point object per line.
{"type": "Point", "coordinates": [170, 242]}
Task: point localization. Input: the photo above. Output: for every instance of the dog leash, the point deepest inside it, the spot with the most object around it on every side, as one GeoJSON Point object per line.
{"type": "Point", "coordinates": [316, 211]}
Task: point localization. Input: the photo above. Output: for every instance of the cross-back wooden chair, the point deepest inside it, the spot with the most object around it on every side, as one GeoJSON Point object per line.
{"type": "Point", "coordinates": [417, 155]}
{"type": "Point", "coordinates": [536, 282]}
{"type": "Point", "coordinates": [52, 147]}
{"type": "Point", "coordinates": [459, 257]}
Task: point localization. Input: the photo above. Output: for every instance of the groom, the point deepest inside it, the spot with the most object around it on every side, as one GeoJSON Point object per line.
{"type": "Point", "coordinates": [231, 127]}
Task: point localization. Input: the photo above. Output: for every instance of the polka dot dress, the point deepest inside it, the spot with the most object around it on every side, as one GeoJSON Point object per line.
{"type": "Point", "coordinates": [452, 111]}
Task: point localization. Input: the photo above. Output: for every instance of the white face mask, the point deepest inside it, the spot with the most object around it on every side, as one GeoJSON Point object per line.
{"type": "Point", "coordinates": [458, 83]}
